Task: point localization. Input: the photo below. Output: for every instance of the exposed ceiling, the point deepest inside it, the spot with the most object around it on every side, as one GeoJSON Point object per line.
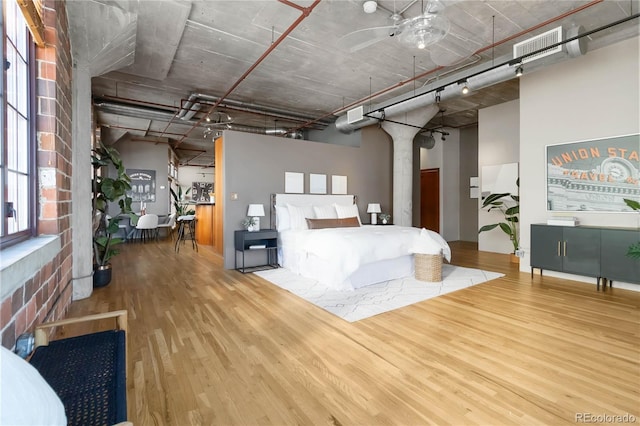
{"type": "Point", "coordinates": [251, 60]}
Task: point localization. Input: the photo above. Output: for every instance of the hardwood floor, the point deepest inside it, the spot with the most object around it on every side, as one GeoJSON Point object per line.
{"type": "Point", "coordinates": [214, 347]}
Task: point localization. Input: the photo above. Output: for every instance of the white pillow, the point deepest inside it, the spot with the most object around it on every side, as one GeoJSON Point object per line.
{"type": "Point", "coordinates": [347, 211]}
{"type": "Point", "coordinates": [325, 212]}
{"type": "Point", "coordinates": [27, 399]}
{"type": "Point", "coordinates": [299, 215]}
{"type": "Point", "coordinates": [283, 220]}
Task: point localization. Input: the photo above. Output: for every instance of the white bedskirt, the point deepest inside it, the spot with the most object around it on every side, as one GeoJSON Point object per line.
{"type": "Point", "coordinates": [349, 258]}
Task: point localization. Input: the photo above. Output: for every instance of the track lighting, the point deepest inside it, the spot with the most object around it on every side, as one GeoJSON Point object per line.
{"type": "Point", "coordinates": [465, 89]}
{"type": "Point", "coordinates": [519, 71]}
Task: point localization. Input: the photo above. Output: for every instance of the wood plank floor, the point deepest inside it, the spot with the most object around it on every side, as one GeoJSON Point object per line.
{"type": "Point", "coordinates": [209, 346]}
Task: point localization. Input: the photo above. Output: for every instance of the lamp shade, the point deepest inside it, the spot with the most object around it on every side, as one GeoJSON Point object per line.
{"type": "Point", "coordinates": [373, 208]}
{"type": "Point", "coordinates": [255, 210]}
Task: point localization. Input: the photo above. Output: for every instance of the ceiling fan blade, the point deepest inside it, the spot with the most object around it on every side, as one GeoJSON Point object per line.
{"type": "Point", "coordinates": [360, 39]}
{"type": "Point", "coordinates": [458, 45]}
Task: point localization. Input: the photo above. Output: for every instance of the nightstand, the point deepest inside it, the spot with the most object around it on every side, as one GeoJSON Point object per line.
{"type": "Point", "coordinates": [264, 240]}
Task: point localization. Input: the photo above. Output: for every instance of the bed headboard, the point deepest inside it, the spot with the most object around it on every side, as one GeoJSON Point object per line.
{"type": "Point", "coordinates": [308, 200]}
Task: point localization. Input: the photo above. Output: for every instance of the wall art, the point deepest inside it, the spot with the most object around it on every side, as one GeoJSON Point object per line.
{"type": "Point", "coordinates": [593, 175]}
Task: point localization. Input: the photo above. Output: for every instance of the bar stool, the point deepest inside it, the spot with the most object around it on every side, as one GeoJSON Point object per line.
{"type": "Point", "coordinates": [186, 231]}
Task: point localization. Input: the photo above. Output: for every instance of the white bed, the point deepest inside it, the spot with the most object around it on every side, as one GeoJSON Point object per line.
{"type": "Point", "coordinates": [341, 258]}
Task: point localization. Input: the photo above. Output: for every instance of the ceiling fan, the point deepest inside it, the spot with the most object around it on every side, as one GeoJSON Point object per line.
{"type": "Point", "coordinates": [432, 30]}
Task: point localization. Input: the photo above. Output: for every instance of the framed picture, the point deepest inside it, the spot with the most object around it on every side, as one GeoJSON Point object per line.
{"type": "Point", "coordinates": [143, 185]}
{"type": "Point", "coordinates": [338, 184]}
{"type": "Point", "coordinates": [593, 175]}
{"type": "Point", "coordinates": [201, 191]}
{"type": "Point", "coordinates": [293, 182]}
{"type": "Point", "coordinates": [317, 183]}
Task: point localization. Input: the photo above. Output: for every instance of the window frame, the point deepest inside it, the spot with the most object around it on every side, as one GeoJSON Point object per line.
{"type": "Point", "coordinates": [9, 239]}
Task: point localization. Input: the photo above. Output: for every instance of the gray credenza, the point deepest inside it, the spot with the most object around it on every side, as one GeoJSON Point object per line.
{"type": "Point", "coordinates": [585, 250]}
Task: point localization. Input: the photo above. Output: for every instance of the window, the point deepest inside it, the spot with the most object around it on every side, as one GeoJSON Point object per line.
{"type": "Point", "coordinates": [17, 150]}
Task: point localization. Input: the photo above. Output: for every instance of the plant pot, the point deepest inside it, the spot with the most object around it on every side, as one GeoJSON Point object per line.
{"type": "Point", "coordinates": [101, 275]}
{"type": "Point", "coordinates": [514, 258]}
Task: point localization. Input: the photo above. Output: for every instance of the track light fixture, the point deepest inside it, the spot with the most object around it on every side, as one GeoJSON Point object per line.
{"type": "Point", "coordinates": [465, 89]}
{"type": "Point", "coordinates": [519, 71]}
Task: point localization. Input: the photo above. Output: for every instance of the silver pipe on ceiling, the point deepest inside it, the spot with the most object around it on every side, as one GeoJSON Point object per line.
{"type": "Point", "coordinates": [251, 108]}
{"type": "Point", "coordinates": [155, 114]}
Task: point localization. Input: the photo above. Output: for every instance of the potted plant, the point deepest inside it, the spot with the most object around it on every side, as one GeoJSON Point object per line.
{"type": "Point", "coordinates": [107, 189]}
{"type": "Point", "coordinates": [634, 249]}
{"type": "Point", "coordinates": [509, 205]}
{"type": "Point", "coordinates": [384, 217]}
{"type": "Point", "coordinates": [248, 223]}
{"type": "Point", "coordinates": [181, 206]}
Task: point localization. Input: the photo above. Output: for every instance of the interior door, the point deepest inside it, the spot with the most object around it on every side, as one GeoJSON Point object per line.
{"type": "Point", "coordinates": [430, 199]}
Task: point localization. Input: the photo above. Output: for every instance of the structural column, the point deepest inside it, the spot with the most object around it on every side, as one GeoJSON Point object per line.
{"type": "Point", "coordinates": [402, 135]}
{"type": "Point", "coordinates": [81, 185]}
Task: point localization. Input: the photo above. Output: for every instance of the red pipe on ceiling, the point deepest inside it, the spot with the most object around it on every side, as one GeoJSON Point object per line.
{"type": "Point", "coordinates": [305, 12]}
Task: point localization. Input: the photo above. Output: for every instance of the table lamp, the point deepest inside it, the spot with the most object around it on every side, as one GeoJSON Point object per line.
{"type": "Point", "coordinates": [374, 209]}
{"type": "Point", "coordinates": [255, 212]}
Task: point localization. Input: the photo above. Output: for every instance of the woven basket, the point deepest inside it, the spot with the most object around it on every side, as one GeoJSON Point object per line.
{"type": "Point", "coordinates": [428, 267]}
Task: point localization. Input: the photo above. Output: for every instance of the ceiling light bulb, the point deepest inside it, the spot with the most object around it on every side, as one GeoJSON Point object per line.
{"type": "Point", "coordinates": [465, 90]}
{"type": "Point", "coordinates": [421, 43]}
{"type": "Point", "coordinates": [208, 118]}
{"type": "Point", "coordinates": [519, 71]}
{"type": "Point", "coordinates": [370, 6]}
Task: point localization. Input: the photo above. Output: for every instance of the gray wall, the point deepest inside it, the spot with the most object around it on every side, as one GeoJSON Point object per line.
{"type": "Point", "coordinates": [254, 167]}
{"type": "Point", "coordinates": [589, 97]}
{"type": "Point", "coordinates": [148, 156]}
{"type": "Point", "coordinates": [468, 168]}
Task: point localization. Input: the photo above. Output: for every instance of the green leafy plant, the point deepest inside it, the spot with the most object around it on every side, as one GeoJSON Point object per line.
{"type": "Point", "coordinates": [248, 222]}
{"type": "Point", "coordinates": [511, 212]}
{"type": "Point", "coordinates": [634, 249]}
{"type": "Point", "coordinates": [384, 216]}
{"type": "Point", "coordinates": [181, 206]}
{"type": "Point", "coordinates": [108, 189]}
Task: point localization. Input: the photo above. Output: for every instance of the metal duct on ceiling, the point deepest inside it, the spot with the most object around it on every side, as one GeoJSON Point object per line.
{"type": "Point", "coordinates": [448, 89]}
{"type": "Point", "coordinates": [159, 115]}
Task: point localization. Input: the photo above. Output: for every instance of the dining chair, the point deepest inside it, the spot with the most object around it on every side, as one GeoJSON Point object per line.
{"type": "Point", "coordinates": [147, 226]}
{"type": "Point", "coordinates": [170, 226]}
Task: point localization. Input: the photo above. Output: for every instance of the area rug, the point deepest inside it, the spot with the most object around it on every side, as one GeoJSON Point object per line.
{"type": "Point", "coordinates": [377, 298]}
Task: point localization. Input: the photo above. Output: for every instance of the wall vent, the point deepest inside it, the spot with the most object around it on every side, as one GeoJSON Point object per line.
{"type": "Point", "coordinates": [355, 115]}
{"type": "Point", "coordinates": [539, 42]}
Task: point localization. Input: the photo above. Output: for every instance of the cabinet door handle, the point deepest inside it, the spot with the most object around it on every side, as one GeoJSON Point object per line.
{"type": "Point", "coordinates": [565, 248]}
{"type": "Point", "coordinates": [558, 248]}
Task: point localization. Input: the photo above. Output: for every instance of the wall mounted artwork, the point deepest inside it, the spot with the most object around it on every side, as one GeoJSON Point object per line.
{"type": "Point", "coordinates": [143, 185]}
{"type": "Point", "coordinates": [593, 175]}
{"type": "Point", "coordinates": [293, 182]}
{"type": "Point", "coordinates": [338, 184]}
{"type": "Point", "coordinates": [317, 183]}
{"type": "Point", "coordinates": [201, 191]}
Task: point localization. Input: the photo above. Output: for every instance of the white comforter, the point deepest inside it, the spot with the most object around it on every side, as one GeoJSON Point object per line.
{"type": "Point", "coordinates": [347, 249]}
